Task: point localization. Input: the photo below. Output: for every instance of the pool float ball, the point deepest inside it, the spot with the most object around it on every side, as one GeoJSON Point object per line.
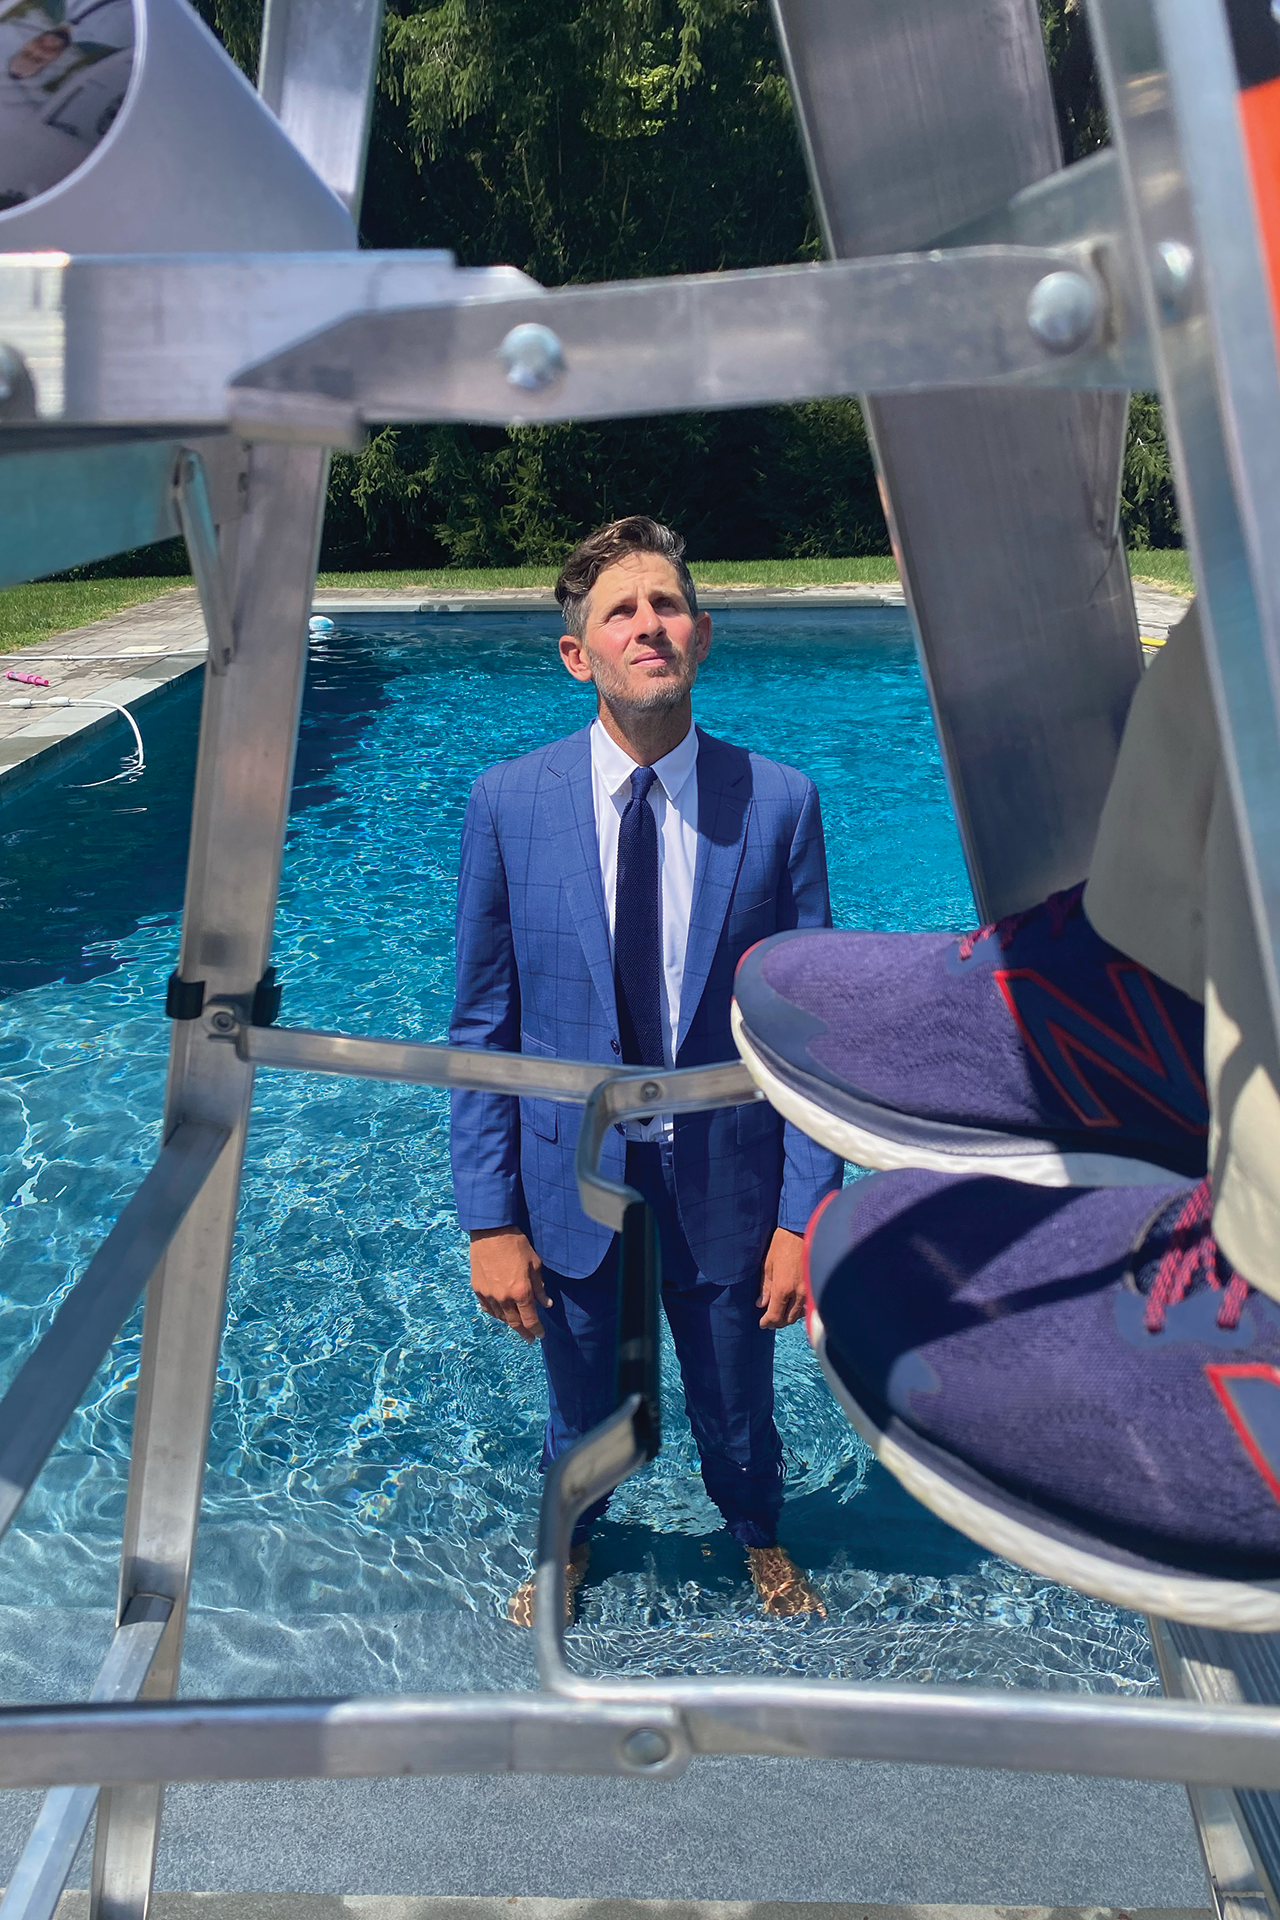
{"type": "Point", "coordinates": [319, 624]}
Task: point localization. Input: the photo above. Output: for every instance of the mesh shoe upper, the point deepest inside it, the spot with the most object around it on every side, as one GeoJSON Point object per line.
{"type": "Point", "coordinates": [1035, 1027]}
{"type": "Point", "coordinates": [1088, 1352]}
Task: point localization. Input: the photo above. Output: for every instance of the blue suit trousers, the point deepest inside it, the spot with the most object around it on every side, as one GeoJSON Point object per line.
{"type": "Point", "coordinates": [726, 1364]}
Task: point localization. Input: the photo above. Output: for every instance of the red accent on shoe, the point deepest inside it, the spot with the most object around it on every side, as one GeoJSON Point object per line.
{"type": "Point", "coordinates": [1142, 1050]}
{"type": "Point", "coordinates": [1058, 906]}
{"type": "Point", "coordinates": [1218, 1377]}
{"type": "Point", "coordinates": [1193, 1254]}
{"type": "Point", "coordinates": [814, 1218]}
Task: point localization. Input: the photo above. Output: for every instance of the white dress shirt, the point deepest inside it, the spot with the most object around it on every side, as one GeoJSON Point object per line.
{"type": "Point", "coordinates": [674, 799]}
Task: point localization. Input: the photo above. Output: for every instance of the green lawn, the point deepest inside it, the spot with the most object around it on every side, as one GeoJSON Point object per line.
{"type": "Point", "coordinates": [874, 568]}
{"type": "Point", "coordinates": [42, 607]}
{"type": "Point", "coordinates": [1167, 567]}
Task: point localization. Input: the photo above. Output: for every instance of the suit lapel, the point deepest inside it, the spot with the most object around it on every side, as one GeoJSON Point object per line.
{"type": "Point", "coordinates": [724, 807]}
{"type": "Point", "coordinates": [569, 820]}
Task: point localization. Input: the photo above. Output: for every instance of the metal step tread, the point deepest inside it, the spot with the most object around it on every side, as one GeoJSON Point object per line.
{"type": "Point", "coordinates": [1198, 1663]}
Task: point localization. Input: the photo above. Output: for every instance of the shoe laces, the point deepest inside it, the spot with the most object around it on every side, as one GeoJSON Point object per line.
{"type": "Point", "coordinates": [1059, 906]}
{"type": "Point", "coordinates": [1192, 1256]}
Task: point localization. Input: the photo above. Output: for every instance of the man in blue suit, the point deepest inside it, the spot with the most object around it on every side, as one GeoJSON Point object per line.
{"type": "Point", "coordinates": [609, 885]}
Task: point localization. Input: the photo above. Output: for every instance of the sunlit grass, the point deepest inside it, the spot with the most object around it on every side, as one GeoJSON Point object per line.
{"type": "Point", "coordinates": [869, 569]}
{"type": "Point", "coordinates": [1167, 567]}
{"type": "Point", "coordinates": [40, 607]}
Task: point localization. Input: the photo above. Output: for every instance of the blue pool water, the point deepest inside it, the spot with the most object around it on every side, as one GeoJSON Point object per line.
{"type": "Point", "coordinates": [372, 1491]}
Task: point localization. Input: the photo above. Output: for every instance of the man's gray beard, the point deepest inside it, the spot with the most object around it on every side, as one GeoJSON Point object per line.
{"type": "Point", "coordinates": [660, 696]}
{"type": "Point", "coordinates": [660, 700]}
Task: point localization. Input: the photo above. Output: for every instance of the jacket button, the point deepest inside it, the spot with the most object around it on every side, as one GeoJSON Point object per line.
{"type": "Point", "coordinates": [615, 1046]}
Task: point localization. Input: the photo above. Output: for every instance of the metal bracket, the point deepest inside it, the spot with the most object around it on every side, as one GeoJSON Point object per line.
{"type": "Point", "coordinates": [264, 1009]}
{"type": "Point", "coordinates": [195, 516]}
{"type": "Point", "coordinates": [632, 1096]}
{"type": "Point", "coordinates": [891, 323]}
{"type": "Point", "coordinates": [184, 999]}
{"type": "Point", "coordinates": [228, 1016]}
{"type": "Point", "coordinates": [47, 1859]}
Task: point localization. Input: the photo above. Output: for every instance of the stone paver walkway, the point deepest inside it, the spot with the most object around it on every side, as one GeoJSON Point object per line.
{"type": "Point", "coordinates": [125, 660]}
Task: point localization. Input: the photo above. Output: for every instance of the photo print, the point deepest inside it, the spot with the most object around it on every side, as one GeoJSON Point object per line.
{"type": "Point", "coordinates": [64, 69]}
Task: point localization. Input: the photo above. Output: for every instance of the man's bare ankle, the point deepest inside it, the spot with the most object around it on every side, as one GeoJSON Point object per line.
{"type": "Point", "coordinates": [782, 1587]}
{"type": "Point", "coordinates": [522, 1604]}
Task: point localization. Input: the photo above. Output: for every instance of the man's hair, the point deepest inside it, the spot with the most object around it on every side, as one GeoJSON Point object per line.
{"type": "Point", "coordinates": [604, 548]}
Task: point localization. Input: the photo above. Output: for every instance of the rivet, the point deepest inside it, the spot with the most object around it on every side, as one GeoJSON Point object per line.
{"type": "Point", "coordinates": [1063, 311]}
{"type": "Point", "coordinates": [650, 1090]}
{"type": "Point", "coordinates": [532, 357]}
{"type": "Point", "coordinates": [222, 1021]}
{"type": "Point", "coordinates": [17, 395]}
{"type": "Point", "coordinates": [646, 1747]}
{"type": "Point", "coordinates": [1173, 266]}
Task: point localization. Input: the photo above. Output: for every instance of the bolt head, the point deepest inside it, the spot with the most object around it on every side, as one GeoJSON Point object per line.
{"type": "Point", "coordinates": [1063, 311]}
{"type": "Point", "coordinates": [532, 358]}
{"type": "Point", "coordinates": [1173, 266]}
{"type": "Point", "coordinates": [12, 371]}
{"type": "Point", "coordinates": [646, 1747]}
{"type": "Point", "coordinates": [222, 1021]}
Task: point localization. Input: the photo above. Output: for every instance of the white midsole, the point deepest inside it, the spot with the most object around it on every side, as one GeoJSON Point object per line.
{"type": "Point", "coordinates": [1038, 1167]}
{"type": "Point", "coordinates": [1192, 1598]}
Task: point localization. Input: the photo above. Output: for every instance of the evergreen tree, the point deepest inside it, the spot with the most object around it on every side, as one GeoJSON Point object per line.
{"type": "Point", "coordinates": [604, 139]}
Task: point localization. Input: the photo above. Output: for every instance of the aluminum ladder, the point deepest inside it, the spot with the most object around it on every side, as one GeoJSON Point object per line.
{"type": "Point", "coordinates": [994, 309]}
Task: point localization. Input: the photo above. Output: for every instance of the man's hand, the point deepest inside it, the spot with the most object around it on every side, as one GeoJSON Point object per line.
{"type": "Point", "coordinates": [782, 1281]}
{"type": "Point", "coordinates": [506, 1278]}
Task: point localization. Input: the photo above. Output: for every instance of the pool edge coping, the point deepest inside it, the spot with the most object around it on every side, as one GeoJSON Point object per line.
{"type": "Point", "coordinates": [66, 736]}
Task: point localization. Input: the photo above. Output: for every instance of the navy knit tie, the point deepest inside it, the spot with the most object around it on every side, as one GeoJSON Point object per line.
{"type": "Point", "coordinates": [637, 930]}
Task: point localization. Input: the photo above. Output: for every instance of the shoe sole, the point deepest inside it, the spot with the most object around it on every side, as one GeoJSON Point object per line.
{"type": "Point", "coordinates": [1038, 1165]}
{"type": "Point", "coordinates": [1197, 1601]}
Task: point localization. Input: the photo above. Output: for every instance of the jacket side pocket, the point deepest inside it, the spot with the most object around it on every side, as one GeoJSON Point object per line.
{"type": "Point", "coordinates": [540, 1116]}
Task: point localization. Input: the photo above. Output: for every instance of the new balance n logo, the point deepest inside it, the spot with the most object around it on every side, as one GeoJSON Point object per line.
{"type": "Point", "coordinates": [1089, 1061]}
{"type": "Point", "coordinates": [1249, 1394]}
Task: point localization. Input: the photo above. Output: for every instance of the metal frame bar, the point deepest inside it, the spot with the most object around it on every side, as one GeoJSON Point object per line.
{"type": "Point", "coordinates": [920, 119]}
{"type": "Point", "coordinates": [62, 505]}
{"type": "Point", "coordinates": [414, 1062]}
{"type": "Point", "coordinates": [243, 776]}
{"type": "Point", "coordinates": [585, 1730]}
{"type": "Point", "coordinates": [54, 1378]}
{"type": "Point", "coordinates": [316, 73]}
{"type": "Point", "coordinates": [195, 517]}
{"type": "Point", "coordinates": [895, 323]}
{"type": "Point", "coordinates": [1239, 1881]}
{"type": "Point", "coordinates": [1171, 87]}
{"type": "Point", "coordinates": [630, 1097]}
{"type": "Point", "coordinates": [49, 1855]}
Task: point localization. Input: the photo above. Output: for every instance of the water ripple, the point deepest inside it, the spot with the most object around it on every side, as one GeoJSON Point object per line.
{"type": "Point", "coordinates": [372, 1489]}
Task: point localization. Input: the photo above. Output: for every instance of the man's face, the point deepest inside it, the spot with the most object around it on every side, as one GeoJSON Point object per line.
{"type": "Point", "coordinates": [642, 647]}
{"type": "Point", "coordinates": [39, 52]}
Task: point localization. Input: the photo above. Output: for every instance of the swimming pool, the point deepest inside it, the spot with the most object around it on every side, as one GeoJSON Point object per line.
{"type": "Point", "coordinates": [372, 1491]}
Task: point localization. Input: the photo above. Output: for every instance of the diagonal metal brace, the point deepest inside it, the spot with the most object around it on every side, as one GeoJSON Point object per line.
{"type": "Point", "coordinates": [891, 323]}
{"type": "Point", "coordinates": [195, 516]}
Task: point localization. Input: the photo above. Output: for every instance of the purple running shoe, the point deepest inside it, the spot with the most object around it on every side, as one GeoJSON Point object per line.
{"type": "Point", "coordinates": [1030, 1049]}
{"type": "Point", "coordinates": [1075, 1379]}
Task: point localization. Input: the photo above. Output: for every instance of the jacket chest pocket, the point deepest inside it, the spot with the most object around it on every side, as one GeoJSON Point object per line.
{"type": "Point", "coordinates": [540, 1116]}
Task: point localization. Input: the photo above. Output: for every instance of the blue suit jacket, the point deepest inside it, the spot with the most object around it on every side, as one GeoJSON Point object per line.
{"type": "Point", "coordinates": [534, 976]}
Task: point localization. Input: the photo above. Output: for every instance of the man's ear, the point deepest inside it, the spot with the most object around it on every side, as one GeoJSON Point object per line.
{"type": "Point", "coordinates": [574, 657]}
{"type": "Point", "coordinates": [702, 627]}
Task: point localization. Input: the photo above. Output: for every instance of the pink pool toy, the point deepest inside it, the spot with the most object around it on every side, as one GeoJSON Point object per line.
{"type": "Point", "coordinates": [27, 679]}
